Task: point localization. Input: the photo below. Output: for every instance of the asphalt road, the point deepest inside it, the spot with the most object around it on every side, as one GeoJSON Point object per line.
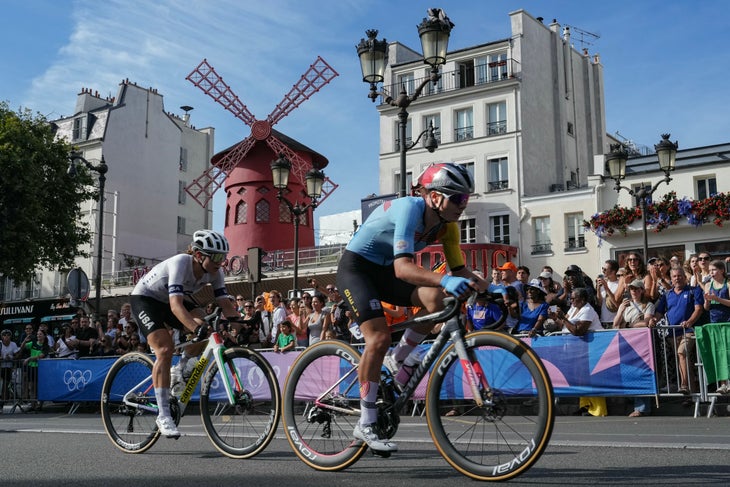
{"type": "Point", "coordinates": [58, 449]}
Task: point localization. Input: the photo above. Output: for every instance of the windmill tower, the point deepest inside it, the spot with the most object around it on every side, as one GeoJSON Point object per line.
{"type": "Point", "coordinates": [254, 217]}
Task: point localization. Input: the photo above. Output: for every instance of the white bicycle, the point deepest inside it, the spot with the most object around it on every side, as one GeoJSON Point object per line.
{"type": "Point", "coordinates": [240, 401]}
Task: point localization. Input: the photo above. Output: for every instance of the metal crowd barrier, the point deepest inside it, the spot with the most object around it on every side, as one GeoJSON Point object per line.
{"type": "Point", "coordinates": [18, 385]}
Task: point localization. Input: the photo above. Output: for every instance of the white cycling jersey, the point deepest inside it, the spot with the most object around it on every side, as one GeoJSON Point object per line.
{"type": "Point", "coordinates": [174, 276]}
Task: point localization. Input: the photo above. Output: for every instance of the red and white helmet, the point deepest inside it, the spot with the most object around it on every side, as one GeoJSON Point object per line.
{"type": "Point", "coordinates": [447, 178]}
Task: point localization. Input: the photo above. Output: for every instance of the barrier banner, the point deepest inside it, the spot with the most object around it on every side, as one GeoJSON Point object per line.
{"type": "Point", "coordinates": [608, 363]}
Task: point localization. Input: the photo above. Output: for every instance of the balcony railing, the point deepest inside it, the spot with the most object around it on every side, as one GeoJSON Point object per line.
{"type": "Point", "coordinates": [498, 185]}
{"type": "Point", "coordinates": [497, 128]}
{"type": "Point", "coordinates": [463, 133]}
{"type": "Point", "coordinates": [542, 248]}
{"type": "Point", "coordinates": [575, 243]}
{"type": "Point", "coordinates": [461, 78]}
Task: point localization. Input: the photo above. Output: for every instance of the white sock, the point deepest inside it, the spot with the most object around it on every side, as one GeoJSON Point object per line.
{"type": "Point", "coordinates": [368, 409]}
{"type": "Point", "coordinates": [163, 401]}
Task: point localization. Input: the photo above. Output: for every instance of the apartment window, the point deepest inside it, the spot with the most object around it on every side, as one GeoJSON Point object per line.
{"type": "Point", "coordinates": [263, 211]}
{"type": "Point", "coordinates": [181, 193]}
{"type": "Point", "coordinates": [464, 125]}
{"type": "Point", "coordinates": [409, 181]}
{"type": "Point", "coordinates": [575, 231]}
{"type": "Point", "coordinates": [79, 130]}
{"type": "Point", "coordinates": [437, 87]}
{"type": "Point", "coordinates": [571, 128]}
{"type": "Point", "coordinates": [542, 235]}
{"type": "Point", "coordinates": [407, 82]}
{"type": "Point", "coordinates": [409, 135]}
{"type": "Point", "coordinates": [497, 121]}
{"type": "Point", "coordinates": [468, 230]}
{"type": "Point", "coordinates": [636, 188]}
{"type": "Point", "coordinates": [706, 187]}
{"type": "Point", "coordinates": [491, 68]}
{"type": "Point", "coordinates": [183, 159]}
{"type": "Point", "coordinates": [497, 66]}
{"type": "Point", "coordinates": [434, 120]}
{"type": "Point", "coordinates": [497, 178]}
{"type": "Point", "coordinates": [241, 209]}
{"type": "Point", "coordinates": [181, 225]}
{"type": "Point", "coordinates": [466, 73]}
{"type": "Point", "coordinates": [499, 227]}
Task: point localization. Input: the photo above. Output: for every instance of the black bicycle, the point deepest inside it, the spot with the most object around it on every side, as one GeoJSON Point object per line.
{"type": "Point", "coordinates": [489, 401]}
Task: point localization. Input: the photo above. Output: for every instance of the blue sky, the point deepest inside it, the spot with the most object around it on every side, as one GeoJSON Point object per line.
{"type": "Point", "coordinates": [665, 63]}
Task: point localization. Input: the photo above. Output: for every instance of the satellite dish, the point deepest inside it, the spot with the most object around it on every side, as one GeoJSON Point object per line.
{"type": "Point", "coordinates": [78, 284]}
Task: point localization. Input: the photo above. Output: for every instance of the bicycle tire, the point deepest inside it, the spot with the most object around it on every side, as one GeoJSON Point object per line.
{"type": "Point", "coordinates": [321, 436]}
{"type": "Point", "coordinates": [244, 429]}
{"type": "Point", "coordinates": [498, 441]}
{"type": "Point", "coordinates": [132, 430]}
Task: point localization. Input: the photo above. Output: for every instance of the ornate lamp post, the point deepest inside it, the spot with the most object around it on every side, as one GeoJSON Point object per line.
{"type": "Point", "coordinates": [434, 32]}
{"type": "Point", "coordinates": [616, 166]}
{"type": "Point", "coordinates": [75, 158]}
{"type": "Point", "coordinates": [314, 179]}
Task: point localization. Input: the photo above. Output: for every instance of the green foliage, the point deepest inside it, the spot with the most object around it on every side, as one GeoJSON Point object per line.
{"type": "Point", "coordinates": [39, 203]}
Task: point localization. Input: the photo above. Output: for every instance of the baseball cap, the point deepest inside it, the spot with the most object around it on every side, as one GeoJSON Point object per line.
{"type": "Point", "coordinates": [573, 269]}
{"type": "Point", "coordinates": [546, 275]}
{"type": "Point", "coordinates": [652, 260]}
{"type": "Point", "coordinates": [6, 332]}
{"type": "Point", "coordinates": [637, 283]}
{"type": "Point", "coordinates": [536, 284]}
{"type": "Point", "coordinates": [508, 266]}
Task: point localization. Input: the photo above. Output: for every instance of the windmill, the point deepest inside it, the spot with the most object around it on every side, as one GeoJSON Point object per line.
{"type": "Point", "coordinates": [205, 77]}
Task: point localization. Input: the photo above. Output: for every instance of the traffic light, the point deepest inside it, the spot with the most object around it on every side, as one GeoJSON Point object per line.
{"type": "Point", "coordinates": [255, 256]}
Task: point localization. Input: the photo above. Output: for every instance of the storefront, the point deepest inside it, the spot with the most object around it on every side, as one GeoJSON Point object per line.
{"type": "Point", "coordinates": [55, 312]}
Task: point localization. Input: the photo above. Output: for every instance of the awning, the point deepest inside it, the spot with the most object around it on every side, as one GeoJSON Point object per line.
{"type": "Point", "coordinates": [46, 319]}
{"type": "Point", "coordinates": [17, 320]}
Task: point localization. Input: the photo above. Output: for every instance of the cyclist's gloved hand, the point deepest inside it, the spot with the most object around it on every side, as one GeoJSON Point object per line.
{"type": "Point", "coordinates": [201, 333]}
{"type": "Point", "coordinates": [454, 285]}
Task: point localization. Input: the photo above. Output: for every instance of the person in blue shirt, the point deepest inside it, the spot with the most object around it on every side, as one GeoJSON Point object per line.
{"type": "Point", "coordinates": [682, 306]}
{"type": "Point", "coordinates": [533, 310]}
{"type": "Point", "coordinates": [379, 265]}
{"type": "Point", "coordinates": [481, 314]}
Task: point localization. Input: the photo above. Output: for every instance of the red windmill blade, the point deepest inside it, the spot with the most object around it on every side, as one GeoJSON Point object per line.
{"type": "Point", "coordinates": [205, 77]}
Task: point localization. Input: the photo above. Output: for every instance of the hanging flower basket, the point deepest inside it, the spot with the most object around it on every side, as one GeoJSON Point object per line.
{"type": "Point", "coordinates": [662, 214]}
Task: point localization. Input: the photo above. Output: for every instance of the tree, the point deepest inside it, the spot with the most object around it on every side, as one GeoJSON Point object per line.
{"type": "Point", "coordinates": [40, 204]}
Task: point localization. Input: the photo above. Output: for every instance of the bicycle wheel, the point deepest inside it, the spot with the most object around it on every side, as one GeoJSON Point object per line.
{"type": "Point", "coordinates": [132, 429]}
{"type": "Point", "coordinates": [506, 436]}
{"type": "Point", "coordinates": [243, 429]}
{"type": "Point", "coordinates": [322, 406]}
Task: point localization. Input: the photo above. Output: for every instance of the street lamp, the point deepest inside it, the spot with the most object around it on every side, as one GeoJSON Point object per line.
{"type": "Point", "coordinates": [101, 169]}
{"type": "Point", "coordinates": [314, 180]}
{"type": "Point", "coordinates": [616, 166]}
{"type": "Point", "coordinates": [434, 32]}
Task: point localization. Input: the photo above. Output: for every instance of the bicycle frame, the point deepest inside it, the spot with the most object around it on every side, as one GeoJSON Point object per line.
{"type": "Point", "coordinates": [214, 349]}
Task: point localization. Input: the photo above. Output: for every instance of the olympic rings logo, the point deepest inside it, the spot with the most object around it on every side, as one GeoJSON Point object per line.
{"type": "Point", "coordinates": [76, 380]}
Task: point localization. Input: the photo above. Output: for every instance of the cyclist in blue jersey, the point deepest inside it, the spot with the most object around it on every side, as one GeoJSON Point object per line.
{"type": "Point", "coordinates": [163, 298]}
{"type": "Point", "coordinates": [379, 265]}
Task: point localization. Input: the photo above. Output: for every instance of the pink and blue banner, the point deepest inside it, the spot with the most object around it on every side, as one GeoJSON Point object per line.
{"type": "Point", "coordinates": [609, 363]}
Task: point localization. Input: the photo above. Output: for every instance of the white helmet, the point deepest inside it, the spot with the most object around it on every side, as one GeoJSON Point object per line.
{"type": "Point", "coordinates": [210, 242]}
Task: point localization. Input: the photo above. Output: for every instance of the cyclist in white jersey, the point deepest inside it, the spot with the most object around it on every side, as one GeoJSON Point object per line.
{"type": "Point", "coordinates": [162, 299]}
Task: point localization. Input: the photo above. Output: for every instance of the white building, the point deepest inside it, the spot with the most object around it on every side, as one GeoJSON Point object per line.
{"type": "Point", "coordinates": [525, 114]}
{"type": "Point", "coordinates": [151, 155]}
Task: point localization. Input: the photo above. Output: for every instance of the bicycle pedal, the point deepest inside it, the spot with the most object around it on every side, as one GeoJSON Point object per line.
{"type": "Point", "coordinates": [381, 453]}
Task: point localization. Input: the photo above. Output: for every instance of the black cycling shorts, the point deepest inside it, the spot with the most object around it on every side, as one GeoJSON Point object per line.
{"type": "Point", "coordinates": [364, 284]}
{"type": "Point", "coordinates": [151, 314]}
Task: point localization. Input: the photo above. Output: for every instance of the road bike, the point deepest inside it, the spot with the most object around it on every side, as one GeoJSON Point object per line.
{"type": "Point", "coordinates": [240, 400]}
{"type": "Point", "coordinates": [489, 401]}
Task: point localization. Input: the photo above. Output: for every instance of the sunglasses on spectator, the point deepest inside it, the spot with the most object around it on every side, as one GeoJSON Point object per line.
{"type": "Point", "coordinates": [215, 258]}
{"type": "Point", "coordinates": [330, 289]}
{"type": "Point", "coordinates": [632, 259]}
{"type": "Point", "coordinates": [703, 258]}
{"type": "Point", "coordinates": [239, 299]}
{"type": "Point", "coordinates": [248, 305]}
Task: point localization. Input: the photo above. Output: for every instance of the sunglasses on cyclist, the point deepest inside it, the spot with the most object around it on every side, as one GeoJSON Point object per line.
{"type": "Point", "coordinates": [458, 199]}
{"type": "Point", "coordinates": [215, 258]}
